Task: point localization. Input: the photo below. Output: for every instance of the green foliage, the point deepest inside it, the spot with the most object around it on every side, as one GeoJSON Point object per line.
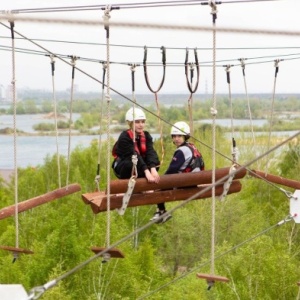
{"type": "Point", "coordinates": [260, 259]}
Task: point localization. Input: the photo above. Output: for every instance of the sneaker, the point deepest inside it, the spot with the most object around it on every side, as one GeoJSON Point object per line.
{"type": "Point", "coordinates": [166, 217]}
{"type": "Point", "coordinates": [156, 217]}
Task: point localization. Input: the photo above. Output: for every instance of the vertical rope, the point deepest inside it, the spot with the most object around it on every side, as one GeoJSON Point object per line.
{"type": "Point", "coordinates": [97, 178]}
{"type": "Point", "coordinates": [214, 113]}
{"type": "Point", "coordinates": [55, 117]}
{"type": "Point", "coordinates": [73, 63]}
{"type": "Point", "coordinates": [13, 83]}
{"type": "Point", "coordinates": [227, 69]}
{"type": "Point", "coordinates": [242, 60]}
{"type": "Point", "coordinates": [106, 18]}
{"type": "Point", "coordinates": [276, 65]}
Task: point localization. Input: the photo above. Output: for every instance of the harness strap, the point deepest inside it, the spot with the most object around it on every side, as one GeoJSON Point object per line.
{"type": "Point", "coordinates": [127, 195]}
{"type": "Point", "coordinates": [228, 183]}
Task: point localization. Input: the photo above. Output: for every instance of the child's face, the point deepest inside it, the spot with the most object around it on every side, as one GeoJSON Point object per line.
{"type": "Point", "coordinates": [139, 125]}
{"type": "Point", "coordinates": [178, 140]}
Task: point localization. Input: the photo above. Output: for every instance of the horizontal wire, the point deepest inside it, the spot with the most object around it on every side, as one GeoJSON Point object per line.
{"type": "Point", "coordinates": [155, 4]}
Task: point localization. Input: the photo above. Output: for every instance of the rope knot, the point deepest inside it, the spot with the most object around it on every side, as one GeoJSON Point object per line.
{"type": "Point", "coordinates": [108, 98]}
{"type": "Point", "coordinates": [213, 111]}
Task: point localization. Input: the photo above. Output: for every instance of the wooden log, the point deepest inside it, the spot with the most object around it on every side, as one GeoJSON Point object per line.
{"type": "Point", "coordinates": [16, 250]}
{"type": "Point", "coordinates": [275, 179]}
{"type": "Point", "coordinates": [212, 278]}
{"type": "Point", "coordinates": [98, 200]}
{"type": "Point", "coordinates": [173, 181]}
{"type": "Point", "coordinates": [31, 203]}
{"type": "Point", "coordinates": [116, 253]}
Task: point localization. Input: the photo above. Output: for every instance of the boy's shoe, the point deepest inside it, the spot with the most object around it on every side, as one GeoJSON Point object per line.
{"type": "Point", "coordinates": [166, 217]}
{"type": "Point", "coordinates": [156, 217]}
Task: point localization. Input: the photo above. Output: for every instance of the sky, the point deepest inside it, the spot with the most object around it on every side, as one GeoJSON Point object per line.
{"type": "Point", "coordinates": [33, 69]}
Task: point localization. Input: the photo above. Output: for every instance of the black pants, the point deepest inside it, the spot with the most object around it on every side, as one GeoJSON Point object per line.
{"type": "Point", "coordinates": [123, 169]}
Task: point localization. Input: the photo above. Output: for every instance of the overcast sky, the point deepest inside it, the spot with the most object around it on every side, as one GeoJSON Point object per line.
{"type": "Point", "coordinates": [260, 51]}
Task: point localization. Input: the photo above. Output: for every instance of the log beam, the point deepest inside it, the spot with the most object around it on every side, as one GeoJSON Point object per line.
{"type": "Point", "coordinates": [275, 179]}
{"type": "Point", "coordinates": [98, 200]}
{"type": "Point", "coordinates": [31, 203]}
{"type": "Point", "coordinates": [173, 181]}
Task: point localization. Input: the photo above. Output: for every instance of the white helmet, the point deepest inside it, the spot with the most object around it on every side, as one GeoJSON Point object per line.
{"type": "Point", "coordinates": [180, 128]}
{"type": "Point", "coordinates": [138, 115]}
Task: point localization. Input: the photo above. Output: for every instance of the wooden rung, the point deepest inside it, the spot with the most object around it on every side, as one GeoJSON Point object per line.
{"type": "Point", "coordinates": [98, 200]}
{"type": "Point", "coordinates": [17, 250]}
{"type": "Point", "coordinates": [112, 252]}
{"type": "Point", "coordinates": [212, 278]}
{"type": "Point", "coordinates": [31, 203]}
{"type": "Point", "coordinates": [275, 179]}
{"type": "Point", "coordinates": [174, 181]}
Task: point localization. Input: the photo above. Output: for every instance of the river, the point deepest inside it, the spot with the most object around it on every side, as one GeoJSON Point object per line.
{"type": "Point", "coordinates": [32, 150]}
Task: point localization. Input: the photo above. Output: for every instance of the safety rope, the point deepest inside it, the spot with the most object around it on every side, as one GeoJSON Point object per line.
{"type": "Point", "coordinates": [73, 63]}
{"type": "Point", "coordinates": [13, 83]}
{"type": "Point", "coordinates": [106, 17]}
{"type": "Point", "coordinates": [243, 65]}
{"type": "Point", "coordinates": [214, 113]}
{"type": "Point", "coordinates": [191, 67]}
{"type": "Point", "coordinates": [134, 158]}
{"type": "Point", "coordinates": [155, 92]}
{"type": "Point", "coordinates": [276, 65]}
{"type": "Point", "coordinates": [98, 176]}
{"type": "Point", "coordinates": [52, 62]}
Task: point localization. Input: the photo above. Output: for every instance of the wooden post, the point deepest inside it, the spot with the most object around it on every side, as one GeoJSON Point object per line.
{"type": "Point", "coordinates": [31, 203]}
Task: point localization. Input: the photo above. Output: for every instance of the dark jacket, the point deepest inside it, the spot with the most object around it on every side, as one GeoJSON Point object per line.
{"type": "Point", "coordinates": [124, 149]}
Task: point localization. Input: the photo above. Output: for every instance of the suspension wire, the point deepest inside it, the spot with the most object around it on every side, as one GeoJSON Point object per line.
{"type": "Point", "coordinates": [52, 62]}
{"type": "Point", "coordinates": [243, 65]}
{"type": "Point", "coordinates": [73, 63]}
{"type": "Point", "coordinates": [276, 65]}
{"type": "Point", "coordinates": [134, 173]}
{"type": "Point", "coordinates": [234, 148]}
{"type": "Point", "coordinates": [37, 292]}
{"type": "Point", "coordinates": [13, 83]}
{"type": "Point", "coordinates": [287, 219]}
{"type": "Point", "coordinates": [98, 177]}
{"type": "Point", "coordinates": [214, 113]}
{"type": "Point", "coordinates": [129, 5]}
{"type": "Point", "coordinates": [106, 17]}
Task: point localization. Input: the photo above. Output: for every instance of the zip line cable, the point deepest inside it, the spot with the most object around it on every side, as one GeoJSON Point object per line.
{"type": "Point", "coordinates": [52, 62]}
{"type": "Point", "coordinates": [36, 292]}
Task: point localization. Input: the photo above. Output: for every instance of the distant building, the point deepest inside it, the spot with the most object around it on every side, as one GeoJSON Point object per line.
{"type": "Point", "coordinates": [9, 94]}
